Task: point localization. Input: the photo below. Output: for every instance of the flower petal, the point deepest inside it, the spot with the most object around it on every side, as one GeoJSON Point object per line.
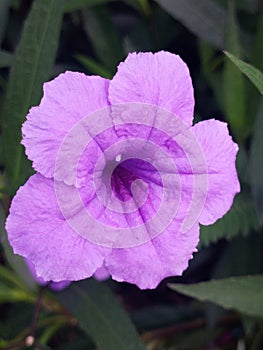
{"type": "Point", "coordinates": [67, 99]}
{"type": "Point", "coordinates": [102, 273]}
{"type": "Point", "coordinates": [146, 265]}
{"type": "Point", "coordinates": [220, 153]}
{"type": "Point", "coordinates": [38, 231]}
{"type": "Point", "coordinates": [161, 79]}
{"type": "Point", "coordinates": [57, 286]}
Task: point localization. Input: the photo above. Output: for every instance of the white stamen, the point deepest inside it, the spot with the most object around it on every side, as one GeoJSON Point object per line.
{"type": "Point", "coordinates": [118, 158]}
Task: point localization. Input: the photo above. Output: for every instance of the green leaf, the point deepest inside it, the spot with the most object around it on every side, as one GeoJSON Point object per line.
{"type": "Point", "coordinates": [101, 31]}
{"type": "Point", "coordinates": [145, 6]}
{"type": "Point", "coordinates": [205, 18]}
{"type": "Point", "coordinates": [10, 278]}
{"type": "Point", "coordinates": [255, 162]}
{"type": "Point", "coordinates": [49, 332]}
{"type": "Point", "coordinates": [234, 85]}
{"type": "Point", "coordinates": [141, 6]}
{"type": "Point", "coordinates": [10, 295]}
{"type": "Point", "coordinates": [6, 59]}
{"type": "Point", "coordinates": [93, 66]}
{"type": "Point", "coordinates": [256, 61]}
{"type": "Point", "coordinates": [243, 294]}
{"type": "Point", "coordinates": [253, 74]}
{"type": "Point", "coordinates": [32, 66]}
{"type": "Point", "coordinates": [73, 5]}
{"type": "Point", "coordinates": [101, 316]}
{"type": "Point", "coordinates": [79, 343]}
{"type": "Point", "coordinates": [195, 338]}
{"type": "Point", "coordinates": [240, 219]}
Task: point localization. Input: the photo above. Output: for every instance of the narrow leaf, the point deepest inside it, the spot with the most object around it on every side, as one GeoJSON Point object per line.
{"type": "Point", "coordinates": [141, 6]}
{"type": "Point", "coordinates": [93, 66]}
{"type": "Point", "coordinates": [205, 18]}
{"type": "Point", "coordinates": [73, 5]}
{"type": "Point", "coordinates": [9, 295]}
{"type": "Point", "coordinates": [32, 66]}
{"type": "Point", "coordinates": [101, 316]}
{"type": "Point", "coordinates": [253, 74]}
{"type": "Point", "coordinates": [243, 294]}
{"type": "Point", "coordinates": [234, 88]}
{"type": "Point", "coordinates": [256, 61]}
{"type": "Point", "coordinates": [10, 278]}
{"type": "Point", "coordinates": [102, 31]}
{"type": "Point", "coordinates": [145, 6]}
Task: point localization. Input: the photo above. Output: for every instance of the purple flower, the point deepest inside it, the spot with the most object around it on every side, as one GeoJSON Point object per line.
{"type": "Point", "coordinates": [123, 178]}
{"type": "Point", "coordinates": [56, 286]}
{"type": "Point", "coordinates": [101, 274]}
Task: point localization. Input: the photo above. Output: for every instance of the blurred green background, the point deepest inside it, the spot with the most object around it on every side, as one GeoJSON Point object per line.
{"type": "Point", "coordinates": [42, 38]}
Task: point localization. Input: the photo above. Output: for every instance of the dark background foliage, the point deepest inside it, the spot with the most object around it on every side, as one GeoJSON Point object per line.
{"type": "Point", "coordinates": [41, 38]}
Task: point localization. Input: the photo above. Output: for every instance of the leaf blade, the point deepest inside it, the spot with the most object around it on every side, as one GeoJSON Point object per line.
{"type": "Point", "coordinates": [73, 5]}
{"type": "Point", "coordinates": [93, 66]}
{"type": "Point", "coordinates": [101, 316]}
{"type": "Point", "coordinates": [101, 31]}
{"type": "Point", "coordinates": [233, 80]}
{"type": "Point", "coordinates": [243, 294]}
{"type": "Point", "coordinates": [252, 73]}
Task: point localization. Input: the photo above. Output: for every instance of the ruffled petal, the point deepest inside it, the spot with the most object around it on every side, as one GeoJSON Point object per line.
{"type": "Point", "coordinates": [67, 99]}
{"type": "Point", "coordinates": [220, 154]}
{"type": "Point", "coordinates": [56, 286]}
{"type": "Point", "coordinates": [160, 79]}
{"type": "Point", "coordinates": [102, 273]}
{"type": "Point", "coordinates": [38, 231]}
{"type": "Point", "coordinates": [147, 265]}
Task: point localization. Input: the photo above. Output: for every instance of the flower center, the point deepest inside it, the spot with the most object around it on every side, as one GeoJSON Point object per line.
{"type": "Point", "coordinates": [126, 172]}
